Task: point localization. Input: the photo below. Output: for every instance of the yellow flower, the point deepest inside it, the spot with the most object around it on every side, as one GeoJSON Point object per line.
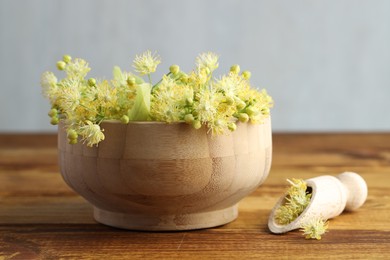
{"type": "Point", "coordinates": [49, 85]}
{"type": "Point", "coordinates": [285, 215]}
{"type": "Point", "coordinates": [77, 68]}
{"type": "Point", "coordinates": [91, 133]}
{"type": "Point", "coordinates": [163, 108]}
{"type": "Point", "coordinates": [197, 79]}
{"type": "Point", "coordinates": [206, 105]}
{"type": "Point", "coordinates": [146, 63]}
{"type": "Point", "coordinates": [258, 102]}
{"type": "Point", "coordinates": [230, 85]}
{"type": "Point", "coordinates": [207, 61]}
{"type": "Point", "coordinates": [196, 98]}
{"type": "Point", "coordinates": [69, 95]}
{"type": "Point", "coordinates": [106, 95]}
{"type": "Point", "coordinates": [296, 201]}
{"type": "Point", "coordinates": [314, 228]}
{"type": "Point", "coordinates": [169, 101]}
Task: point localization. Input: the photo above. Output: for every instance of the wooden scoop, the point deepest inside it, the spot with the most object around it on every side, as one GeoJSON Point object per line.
{"type": "Point", "coordinates": [330, 196]}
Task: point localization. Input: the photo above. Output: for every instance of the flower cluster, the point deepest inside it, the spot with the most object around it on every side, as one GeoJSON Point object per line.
{"type": "Point", "coordinates": [296, 200]}
{"type": "Point", "coordinates": [196, 98]}
{"type": "Point", "coordinates": [315, 228]}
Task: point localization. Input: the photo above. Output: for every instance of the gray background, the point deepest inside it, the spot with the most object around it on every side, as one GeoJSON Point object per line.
{"type": "Point", "coordinates": [326, 63]}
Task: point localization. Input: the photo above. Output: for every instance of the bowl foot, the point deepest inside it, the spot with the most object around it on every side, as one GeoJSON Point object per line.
{"type": "Point", "coordinates": [177, 222]}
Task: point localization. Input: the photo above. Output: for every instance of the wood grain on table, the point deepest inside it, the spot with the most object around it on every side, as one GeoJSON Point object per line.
{"type": "Point", "coordinates": [41, 218]}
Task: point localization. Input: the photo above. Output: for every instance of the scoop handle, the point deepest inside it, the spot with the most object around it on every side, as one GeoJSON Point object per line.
{"type": "Point", "coordinates": [356, 189]}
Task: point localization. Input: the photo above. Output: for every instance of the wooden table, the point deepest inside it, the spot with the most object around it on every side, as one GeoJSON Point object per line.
{"type": "Point", "coordinates": [41, 218]}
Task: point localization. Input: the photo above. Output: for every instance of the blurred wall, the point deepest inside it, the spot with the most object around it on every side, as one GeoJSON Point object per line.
{"type": "Point", "coordinates": [326, 63]}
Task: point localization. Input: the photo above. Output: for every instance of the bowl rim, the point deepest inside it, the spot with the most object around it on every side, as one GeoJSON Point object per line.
{"type": "Point", "coordinates": [116, 121]}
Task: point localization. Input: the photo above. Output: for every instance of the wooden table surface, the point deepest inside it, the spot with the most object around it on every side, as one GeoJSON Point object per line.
{"type": "Point", "coordinates": [41, 218]}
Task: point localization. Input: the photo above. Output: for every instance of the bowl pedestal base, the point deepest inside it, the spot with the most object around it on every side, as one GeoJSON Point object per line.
{"type": "Point", "coordinates": [150, 222]}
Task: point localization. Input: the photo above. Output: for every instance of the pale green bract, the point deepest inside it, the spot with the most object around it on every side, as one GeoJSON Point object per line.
{"type": "Point", "coordinates": [141, 108]}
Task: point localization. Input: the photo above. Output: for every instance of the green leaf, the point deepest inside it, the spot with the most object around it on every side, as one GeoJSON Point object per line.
{"type": "Point", "coordinates": [140, 110]}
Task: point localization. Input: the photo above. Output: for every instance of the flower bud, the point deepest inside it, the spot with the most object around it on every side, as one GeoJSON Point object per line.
{"type": "Point", "coordinates": [174, 69]}
{"type": "Point", "coordinates": [232, 127]}
{"type": "Point", "coordinates": [229, 101]}
{"type": "Point", "coordinates": [265, 111]}
{"type": "Point", "coordinates": [72, 134]}
{"type": "Point", "coordinates": [91, 82]}
{"type": "Point", "coordinates": [189, 118]}
{"type": "Point", "coordinates": [184, 79]}
{"type": "Point", "coordinates": [72, 141]}
{"type": "Point", "coordinates": [189, 101]}
{"type": "Point", "coordinates": [243, 117]}
{"type": "Point", "coordinates": [66, 58]}
{"type": "Point", "coordinates": [125, 119]}
{"type": "Point", "coordinates": [250, 110]}
{"type": "Point", "coordinates": [196, 124]}
{"type": "Point", "coordinates": [61, 65]}
{"type": "Point", "coordinates": [235, 69]}
{"type": "Point", "coordinates": [240, 104]}
{"type": "Point", "coordinates": [54, 120]}
{"type": "Point", "coordinates": [130, 81]}
{"type": "Point", "coordinates": [53, 112]}
{"type": "Point", "coordinates": [246, 74]}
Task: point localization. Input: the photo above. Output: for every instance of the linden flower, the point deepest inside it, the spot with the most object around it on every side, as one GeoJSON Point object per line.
{"type": "Point", "coordinates": [297, 192]}
{"type": "Point", "coordinates": [224, 117]}
{"type": "Point", "coordinates": [296, 199]}
{"type": "Point", "coordinates": [146, 63]}
{"type": "Point", "coordinates": [91, 133]}
{"type": "Point", "coordinates": [105, 94]}
{"type": "Point", "coordinates": [169, 101]}
{"type": "Point", "coordinates": [49, 85]}
{"type": "Point", "coordinates": [315, 228]}
{"type": "Point", "coordinates": [166, 111]}
{"type": "Point", "coordinates": [198, 79]}
{"type": "Point", "coordinates": [206, 106]}
{"type": "Point", "coordinates": [69, 98]}
{"type": "Point", "coordinates": [77, 68]}
{"type": "Point", "coordinates": [285, 215]}
{"type": "Point", "coordinates": [230, 84]}
{"type": "Point", "coordinates": [208, 61]}
{"type": "Point", "coordinates": [196, 98]}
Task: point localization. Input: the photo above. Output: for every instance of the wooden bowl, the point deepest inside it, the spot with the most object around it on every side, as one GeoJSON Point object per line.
{"type": "Point", "coordinates": [157, 176]}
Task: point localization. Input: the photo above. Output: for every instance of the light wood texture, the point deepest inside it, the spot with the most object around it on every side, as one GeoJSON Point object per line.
{"type": "Point", "coordinates": [355, 188]}
{"type": "Point", "coordinates": [157, 176]}
{"type": "Point", "coordinates": [42, 218]}
{"type": "Point", "coordinates": [330, 196]}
